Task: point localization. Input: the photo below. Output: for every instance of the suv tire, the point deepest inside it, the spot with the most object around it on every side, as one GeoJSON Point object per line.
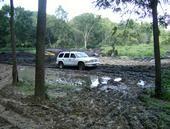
{"type": "Point", "coordinates": [81, 66]}
{"type": "Point", "coordinates": [60, 65]}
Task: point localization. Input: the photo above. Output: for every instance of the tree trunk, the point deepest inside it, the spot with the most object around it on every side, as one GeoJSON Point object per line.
{"type": "Point", "coordinates": [40, 50]}
{"type": "Point", "coordinates": [85, 42]}
{"type": "Point", "coordinates": [158, 89]}
{"type": "Point", "coordinates": [13, 45]}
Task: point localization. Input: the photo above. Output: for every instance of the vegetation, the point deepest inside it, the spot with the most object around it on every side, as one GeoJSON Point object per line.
{"type": "Point", "coordinates": [161, 108]}
{"type": "Point", "coordinates": [86, 29]}
{"type": "Point", "coordinates": [166, 84]}
{"type": "Point", "coordinates": [26, 87]}
{"type": "Point", "coordinates": [140, 51]}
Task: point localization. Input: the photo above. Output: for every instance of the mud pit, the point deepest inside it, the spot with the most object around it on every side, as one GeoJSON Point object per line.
{"type": "Point", "coordinates": [60, 82]}
{"type": "Point", "coordinates": [102, 98]}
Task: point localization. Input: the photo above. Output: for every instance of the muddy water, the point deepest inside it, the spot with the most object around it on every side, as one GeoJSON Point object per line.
{"type": "Point", "coordinates": [57, 80]}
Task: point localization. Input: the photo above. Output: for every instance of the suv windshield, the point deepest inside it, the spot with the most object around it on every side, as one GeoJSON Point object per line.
{"type": "Point", "coordinates": [81, 54]}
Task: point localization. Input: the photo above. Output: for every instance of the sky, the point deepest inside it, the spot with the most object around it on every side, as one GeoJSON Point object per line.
{"type": "Point", "coordinates": [77, 7]}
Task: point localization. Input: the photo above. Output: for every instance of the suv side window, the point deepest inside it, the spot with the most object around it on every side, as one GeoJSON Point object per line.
{"type": "Point", "coordinates": [72, 55]}
{"type": "Point", "coordinates": [66, 55]}
{"type": "Point", "coordinates": [61, 55]}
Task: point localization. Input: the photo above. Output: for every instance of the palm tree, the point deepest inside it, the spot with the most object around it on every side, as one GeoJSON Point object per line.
{"type": "Point", "coordinates": [40, 48]}
{"type": "Point", "coordinates": [13, 44]}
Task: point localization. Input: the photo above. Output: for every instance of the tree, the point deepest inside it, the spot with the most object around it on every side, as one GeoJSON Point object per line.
{"type": "Point", "coordinates": [13, 44]}
{"type": "Point", "coordinates": [61, 13]}
{"type": "Point", "coordinates": [24, 23]}
{"type": "Point", "coordinates": [144, 5]}
{"type": "Point", "coordinates": [4, 26]}
{"type": "Point", "coordinates": [86, 23]}
{"type": "Point", "coordinates": [59, 33]}
{"type": "Point", "coordinates": [40, 50]}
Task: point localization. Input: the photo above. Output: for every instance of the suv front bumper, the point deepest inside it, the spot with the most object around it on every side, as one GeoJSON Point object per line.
{"type": "Point", "coordinates": [94, 64]}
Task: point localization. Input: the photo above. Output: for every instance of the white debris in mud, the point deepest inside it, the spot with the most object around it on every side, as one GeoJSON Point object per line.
{"type": "Point", "coordinates": [94, 81]}
{"type": "Point", "coordinates": [118, 79]}
{"type": "Point", "coordinates": [104, 80]}
{"type": "Point", "coordinates": [141, 83]}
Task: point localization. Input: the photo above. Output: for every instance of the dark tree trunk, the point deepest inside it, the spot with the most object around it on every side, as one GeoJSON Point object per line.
{"type": "Point", "coordinates": [13, 45]}
{"type": "Point", "coordinates": [158, 89]}
{"type": "Point", "coordinates": [40, 49]}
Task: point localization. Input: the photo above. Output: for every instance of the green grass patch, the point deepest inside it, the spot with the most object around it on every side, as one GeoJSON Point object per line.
{"type": "Point", "coordinates": [21, 49]}
{"type": "Point", "coordinates": [140, 50]}
{"type": "Point", "coordinates": [106, 50]}
{"type": "Point", "coordinates": [161, 108]}
{"type": "Point", "coordinates": [26, 87]}
{"type": "Point", "coordinates": [166, 84]}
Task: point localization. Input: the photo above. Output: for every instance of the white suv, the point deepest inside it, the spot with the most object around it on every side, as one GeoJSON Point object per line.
{"type": "Point", "coordinates": [74, 58]}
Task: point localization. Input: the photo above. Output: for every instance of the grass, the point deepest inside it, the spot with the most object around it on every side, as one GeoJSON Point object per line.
{"type": "Point", "coordinates": [26, 87]}
{"type": "Point", "coordinates": [7, 49]}
{"type": "Point", "coordinates": [140, 50]}
{"type": "Point", "coordinates": [161, 108]}
{"type": "Point", "coordinates": [166, 84]}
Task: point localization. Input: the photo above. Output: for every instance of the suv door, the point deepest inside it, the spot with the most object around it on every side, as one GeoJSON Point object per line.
{"type": "Point", "coordinates": [73, 61]}
{"type": "Point", "coordinates": [66, 58]}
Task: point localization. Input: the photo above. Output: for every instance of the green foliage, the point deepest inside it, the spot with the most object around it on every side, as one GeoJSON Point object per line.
{"type": "Point", "coordinates": [61, 13]}
{"type": "Point", "coordinates": [165, 37]}
{"type": "Point", "coordinates": [25, 31]}
{"type": "Point", "coordinates": [87, 28]}
{"type": "Point", "coordinates": [4, 26]}
{"type": "Point", "coordinates": [59, 33]}
{"type": "Point", "coordinates": [106, 50]}
{"type": "Point", "coordinates": [141, 50]}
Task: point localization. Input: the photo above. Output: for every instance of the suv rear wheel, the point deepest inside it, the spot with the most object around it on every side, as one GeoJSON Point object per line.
{"type": "Point", "coordinates": [81, 66]}
{"type": "Point", "coordinates": [60, 65]}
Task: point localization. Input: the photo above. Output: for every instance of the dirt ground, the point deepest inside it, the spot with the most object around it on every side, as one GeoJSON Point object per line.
{"type": "Point", "coordinates": [107, 97]}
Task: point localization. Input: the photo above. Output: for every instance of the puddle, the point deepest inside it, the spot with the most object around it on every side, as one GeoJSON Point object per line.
{"type": "Point", "coordinates": [75, 81]}
{"type": "Point", "coordinates": [26, 74]}
{"type": "Point", "coordinates": [104, 85]}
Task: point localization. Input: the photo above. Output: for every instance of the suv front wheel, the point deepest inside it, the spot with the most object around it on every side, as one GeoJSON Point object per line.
{"type": "Point", "coordinates": [60, 65]}
{"type": "Point", "coordinates": [81, 66]}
